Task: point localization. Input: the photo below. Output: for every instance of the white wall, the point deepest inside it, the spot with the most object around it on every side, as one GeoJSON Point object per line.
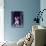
{"type": "Point", "coordinates": [1, 20]}
{"type": "Point", "coordinates": [43, 6]}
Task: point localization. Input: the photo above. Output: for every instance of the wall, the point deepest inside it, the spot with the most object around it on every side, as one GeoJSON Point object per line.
{"type": "Point", "coordinates": [43, 6]}
{"type": "Point", "coordinates": [29, 7]}
{"type": "Point", "coordinates": [1, 20]}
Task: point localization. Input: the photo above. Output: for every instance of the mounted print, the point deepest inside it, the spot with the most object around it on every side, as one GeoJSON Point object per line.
{"type": "Point", "coordinates": [17, 18]}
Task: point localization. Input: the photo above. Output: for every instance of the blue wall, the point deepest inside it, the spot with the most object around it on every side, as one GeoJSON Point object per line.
{"type": "Point", "coordinates": [29, 7]}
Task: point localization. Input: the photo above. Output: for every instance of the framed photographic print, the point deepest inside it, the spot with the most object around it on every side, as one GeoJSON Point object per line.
{"type": "Point", "coordinates": [17, 18]}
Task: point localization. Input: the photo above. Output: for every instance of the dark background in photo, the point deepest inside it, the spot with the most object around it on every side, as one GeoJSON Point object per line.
{"type": "Point", "coordinates": [17, 18]}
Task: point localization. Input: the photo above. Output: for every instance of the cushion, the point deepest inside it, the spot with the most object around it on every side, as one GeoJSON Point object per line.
{"type": "Point", "coordinates": [20, 42]}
